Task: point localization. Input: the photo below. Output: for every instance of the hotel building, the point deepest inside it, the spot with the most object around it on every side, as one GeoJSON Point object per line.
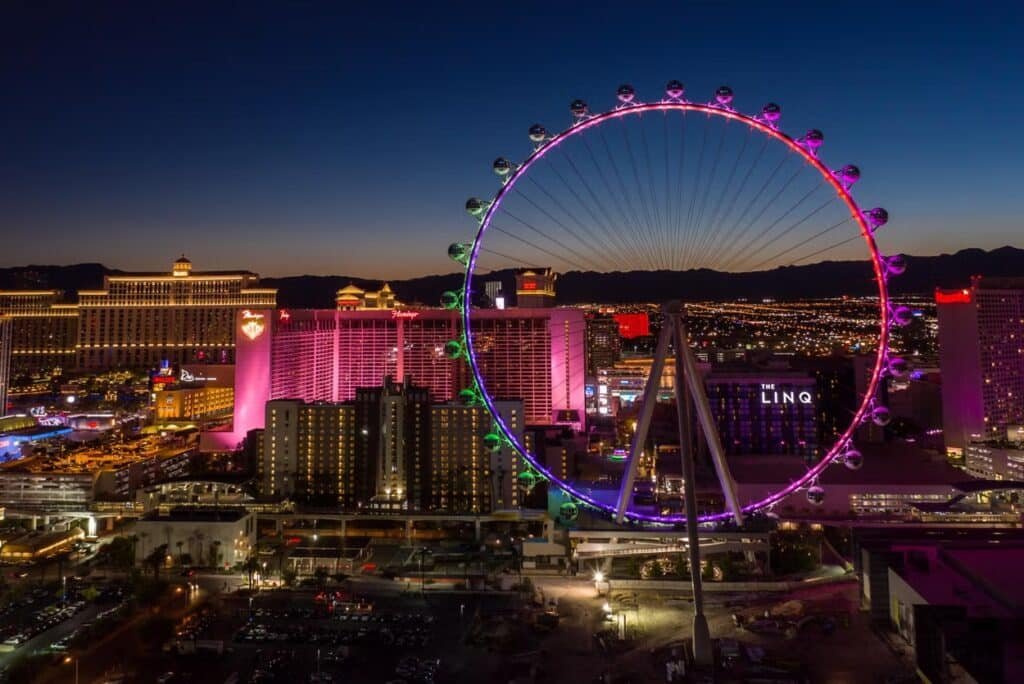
{"type": "Point", "coordinates": [5, 362]}
{"type": "Point", "coordinates": [532, 355]}
{"type": "Point", "coordinates": [389, 449]}
{"type": "Point", "coordinates": [764, 413]}
{"type": "Point", "coordinates": [142, 319]}
{"type": "Point", "coordinates": [981, 355]}
{"type": "Point", "coordinates": [43, 331]}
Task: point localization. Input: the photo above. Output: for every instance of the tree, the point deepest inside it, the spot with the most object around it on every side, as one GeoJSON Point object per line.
{"type": "Point", "coordinates": [288, 576]}
{"type": "Point", "coordinates": [321, 574]}
{"type": "Point", "coordinates": [215, 553]}
{"type": "Point", "coordinates": [250, 566]}
{"type": "Point", "coordinates": [156, 559]}
{"type": "Point", "coordinates": [180, 544]}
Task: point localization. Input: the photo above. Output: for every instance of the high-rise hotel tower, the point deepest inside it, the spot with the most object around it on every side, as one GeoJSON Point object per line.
{"type": "Point", "coordinates": [981, 354]}
{"type": "Point", "coordinates": [139, 320]}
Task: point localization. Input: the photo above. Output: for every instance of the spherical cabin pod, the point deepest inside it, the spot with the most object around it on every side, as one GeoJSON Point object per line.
{"type": "Point", "coordinates": [813, 139]}
{"type": "Point", "coordinates": [816, 494]}
{"type": "Point", "coordinates": [459, 252]}
{"type": "Point", "coordinates": [853, 459]}
{"type": "Point", "coordinates": [625, 93]}
{"type": "Point", "coordinates": [568, 511]}
{"type": "Point", "coordinates": [450, 299]}
{"type": "Point", "coordinates": [475, 206]}
{"type": "Point", "coordinates": [453, 349]}
{"type": "Point", "coordinates": [492, 441]}
{"type": "Point", "coordinates": [578, 108]}
{"type": "Point", "coordinates": [723, 95]}
{"type": "Point", "coordinates": [898, 367]}
{"type": "Point", "coordinates": [896, 265]}
{"type": "Point", "coordinates": [771, 112]}
{"type": "Point", "coordinates": [538, 133]}
{"type": "Point", "coordinates": [902, 315]}
{"type": "Point", "coordinates": [849, 175]}
{"type": "Point", "coordinates": [675, 89]}
{"type": "Point", "coordinates": [877, 217]}
{"type": "Point", "coordinates": [881, 416]}
{"type": "Point", "coordinates": [502, 166]}
{"type": "Point", "coordinates": [468, 396]}
{"type": "Point", "coordinates": [527, 479]}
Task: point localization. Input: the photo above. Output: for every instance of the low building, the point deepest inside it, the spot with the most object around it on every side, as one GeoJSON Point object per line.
{"type": "Point", "coordinates": [194, 404]}
{"type": "Point", "coordinates": [891, 483]}
{"type": "Point", "coordinates": [954, 597]}
{"type": "Point", "coordinates": [36, 545]}
{"type": "Point", "coordinates": [210, 537]}
{"type": "Point", "coordinates": [995, 460]}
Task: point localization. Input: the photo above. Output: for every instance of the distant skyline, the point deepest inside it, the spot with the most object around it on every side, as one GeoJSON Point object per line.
{"type": "Point", "coordinates": [303, 138]}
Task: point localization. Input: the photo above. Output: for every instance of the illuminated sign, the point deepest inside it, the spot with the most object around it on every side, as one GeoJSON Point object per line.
{"type": "Point", "coordinates": [529, 285]}
{"type": "Point", "coordinates": [771, 395]}
{"type": "Point", "coordinates": [953, 297]}
{"type": "Point", "coordinates": [395, 313]}
{"type": "Point", "coordinates": [188, 376]}
{"type": "Point", "coordinates": [37, 411]}
{"type": "Point", "coordinates": [284, 315]}
{"type": "Point", "coordinates": [253, 324]}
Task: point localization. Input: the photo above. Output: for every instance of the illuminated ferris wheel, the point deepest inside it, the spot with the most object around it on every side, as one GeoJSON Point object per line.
{"type": "Point", "coordinates": [666, 188]}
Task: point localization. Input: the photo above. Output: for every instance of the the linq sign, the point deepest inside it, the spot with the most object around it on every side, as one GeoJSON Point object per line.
{"type": "Point", "coordinates": [771, 395]}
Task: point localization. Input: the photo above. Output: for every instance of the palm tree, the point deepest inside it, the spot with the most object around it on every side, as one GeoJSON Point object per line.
{"type": "Point", "coordinates": [157, 558]}
{"type": "Point", "coordinates": [250, 566]}
{"type": "Point", "coordinates": [143, 536]}
{"type": "Point", "coordinates": [215, 553]}
{"type": "Point", "coordinates": [180, 544]}
{"type": "Point", "coordinates": [199, 537]}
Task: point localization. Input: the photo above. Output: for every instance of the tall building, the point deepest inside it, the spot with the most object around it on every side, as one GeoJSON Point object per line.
{"type": "Point", "coordinates": [535, 288]}
{"type": "Point", "coordinates": [389, 449]}
{"type": "Point", "coordinates": [466, 476]}
{"type": "Point", "coordinates": [395, 420]}
{"type": "Point", "coordinates": [534, 355]}
{"type": "Point", "coordinates": [981, 356]}
{"type": "Point", "coordinates": [604, 345]}
{"type": "Point", "coordinates": [44, 330]}
{"type": "Point", "coordinates": [352, 298]}
{"type": "Point", "coordinates": [139, 320]}
{"type": "Point", "coordinates": [764, 413]}
{"type": "Point", "coordinates": [5, 362]}
{"type": "Point", "coordinates": [309, 453]}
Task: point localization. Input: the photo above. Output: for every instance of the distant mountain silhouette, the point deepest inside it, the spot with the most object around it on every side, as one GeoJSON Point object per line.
{"type": "Point", "coordinates": [824, 279]}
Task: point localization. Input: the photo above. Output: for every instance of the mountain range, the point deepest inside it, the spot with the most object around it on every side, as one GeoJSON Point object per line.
{"type": "Point", "coordinates": [819, 280]}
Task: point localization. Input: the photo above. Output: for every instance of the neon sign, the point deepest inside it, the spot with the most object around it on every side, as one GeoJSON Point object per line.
{"type": "Point", "coordinates": [188, 376]}
{"type": "Point", "coordinates": [953, 297]}
{"type": "Point", "coordinates": [771, 395]}
{"type": "Point", "coordinates": [395, 313]}
{"type": "Point", "coordinates": [253, 324]}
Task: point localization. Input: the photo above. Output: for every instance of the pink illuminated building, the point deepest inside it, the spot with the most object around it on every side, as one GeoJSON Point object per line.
{"type": "Point", "coordinates": [535, 355]}
{"type": "Point", "coordinates": [981, 354]}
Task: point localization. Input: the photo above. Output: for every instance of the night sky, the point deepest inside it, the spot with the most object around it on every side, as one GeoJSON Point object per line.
{"type": "Point", "coordinates": [344, 138]}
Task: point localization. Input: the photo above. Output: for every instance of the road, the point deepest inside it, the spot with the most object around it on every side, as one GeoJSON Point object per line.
{"type": "Point", "coordinates": [43, 640]}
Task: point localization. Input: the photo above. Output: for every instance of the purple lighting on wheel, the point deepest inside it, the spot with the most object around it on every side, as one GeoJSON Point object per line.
{"type": "Point", "coordinates": [806, 148]}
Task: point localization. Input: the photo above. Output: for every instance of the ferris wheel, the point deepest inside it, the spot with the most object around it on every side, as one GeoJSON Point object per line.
{"type": "Point", "coordinates": [674, 189]}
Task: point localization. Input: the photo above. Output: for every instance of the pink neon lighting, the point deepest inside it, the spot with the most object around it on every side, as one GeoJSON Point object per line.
{"type": "Point", "coordinates": [841, 191]}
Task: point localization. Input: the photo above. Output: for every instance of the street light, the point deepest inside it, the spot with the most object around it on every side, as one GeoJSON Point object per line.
{"type": "Point", "coordinates": [598, 576]}
{"type": "Point", "coordinates": [68, 660]}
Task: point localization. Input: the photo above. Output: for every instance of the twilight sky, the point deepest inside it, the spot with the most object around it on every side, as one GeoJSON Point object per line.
{"type": "Point", "coordinates": [343, 138]}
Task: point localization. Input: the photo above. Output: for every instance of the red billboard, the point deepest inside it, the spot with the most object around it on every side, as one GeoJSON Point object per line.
{"type": "Point", "coordinates": [632, 325]}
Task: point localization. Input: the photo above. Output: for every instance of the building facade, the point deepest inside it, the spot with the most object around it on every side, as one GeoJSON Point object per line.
{"type": "Point", "coordinates": [44, 330]}
{"type": "Point", "coordinates": [5, 362]}
{"type": "Point", "coordinates": [981, 355]}
{"type": "Point", "coordinates": [604, 345]}
{"type": "Point", "coordinates": [140, 320]}
{"type": "Point", "coordinates": [390, 449]}
{"type": "Point", "coordinates": [533, 355]}
{"type": "Point", "coordinates": [764, 413]}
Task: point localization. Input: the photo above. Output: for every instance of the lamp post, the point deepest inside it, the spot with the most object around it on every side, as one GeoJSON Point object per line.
{"type": "Point", "coordinates": [68, 660]}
